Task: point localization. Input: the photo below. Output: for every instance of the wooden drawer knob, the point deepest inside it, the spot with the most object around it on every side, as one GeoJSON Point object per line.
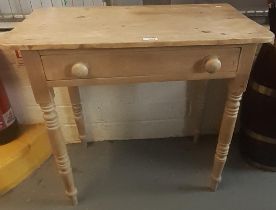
{"type": "Point", "coordinates": [80, 70]}
{"type": "Point", "coordinates": [212, 64]}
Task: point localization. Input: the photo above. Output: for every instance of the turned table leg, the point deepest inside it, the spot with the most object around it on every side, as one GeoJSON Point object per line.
{"type": "Point", "coordinates": [59, 150]}
{"type": "Point", "coordinates": [78, 114]}
{"type": "Point", "coordinates": [236, 88]}
{"type": "Point", "coordinates": [225, 135]}
{"type": "Point", "coordinates": [45, 98]}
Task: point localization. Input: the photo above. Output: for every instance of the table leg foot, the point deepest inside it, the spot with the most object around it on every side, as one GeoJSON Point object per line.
{"type": "Point", "coordinates": [83, 141]}
{"type": "Point", "coordinates": [74, 200]}
{"type": "Point", "coordinates": [214, 183]}
{"type": "Point", "coordinates": [73, 197]}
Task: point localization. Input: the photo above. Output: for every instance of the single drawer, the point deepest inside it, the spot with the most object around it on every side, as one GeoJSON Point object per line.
{"type": "Point", "coordinates": [174, 62]}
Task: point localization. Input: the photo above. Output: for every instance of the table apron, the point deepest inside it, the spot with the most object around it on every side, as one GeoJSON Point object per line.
{"type": "Point", "coordinates": [113, 66]}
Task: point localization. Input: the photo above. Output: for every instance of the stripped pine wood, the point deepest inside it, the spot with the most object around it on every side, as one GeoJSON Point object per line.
{"type": "Point", "coordinates": [135, 26]}
{"type": "Point", "coordinates": [236, 88]}
{"type": "Point", "coordinates": [45, 98]}
{"type": "Point", "coordinates": [221, 46]}
{"type": "Point", "coordinates": [117, 63]}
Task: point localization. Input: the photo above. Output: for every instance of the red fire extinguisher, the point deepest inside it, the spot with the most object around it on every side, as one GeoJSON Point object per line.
{"type": "Point", "coordinates": [9, 128]}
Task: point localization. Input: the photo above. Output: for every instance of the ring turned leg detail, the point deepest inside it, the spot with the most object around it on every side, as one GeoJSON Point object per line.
{"type": "Point", "coordinates": [59, 150]}
{"type": "Point", "coordinates": [44, 96]}
{"type": "Point", "coordinates": [236, 88]}
{"type": "Point", "coordinates": [226, 132]}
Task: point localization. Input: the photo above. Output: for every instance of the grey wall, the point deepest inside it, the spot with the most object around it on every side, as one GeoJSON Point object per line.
{"type": "Point", "coordinates": [240, 4]}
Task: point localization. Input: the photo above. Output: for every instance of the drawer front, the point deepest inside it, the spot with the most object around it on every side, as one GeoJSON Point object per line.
{"type": "Point", "coordinates": [117, 63]}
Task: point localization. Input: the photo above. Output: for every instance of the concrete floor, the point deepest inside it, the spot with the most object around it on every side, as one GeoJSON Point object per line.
{"type": "Point", "coordinates": [147, 175]}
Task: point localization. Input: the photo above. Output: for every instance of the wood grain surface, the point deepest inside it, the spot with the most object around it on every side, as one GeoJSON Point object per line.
{"type": "Point", "coordinates": [135, 26]}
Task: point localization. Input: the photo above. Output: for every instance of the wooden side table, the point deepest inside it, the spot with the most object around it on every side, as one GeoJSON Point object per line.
{"type": "Point", "coordinates": [111, 45]}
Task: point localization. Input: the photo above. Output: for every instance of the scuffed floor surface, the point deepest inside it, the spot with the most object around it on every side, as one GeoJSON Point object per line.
{"type": "Point", "coordinates": [169, 174]}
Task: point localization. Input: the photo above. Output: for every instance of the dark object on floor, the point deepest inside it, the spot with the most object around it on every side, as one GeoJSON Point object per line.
{"type": "Point", "coordinates": [9, 128]}
{"type": "Point", "coordinates": [258, 112]}
{"type": "Point", "coordinates": [272, 16]}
